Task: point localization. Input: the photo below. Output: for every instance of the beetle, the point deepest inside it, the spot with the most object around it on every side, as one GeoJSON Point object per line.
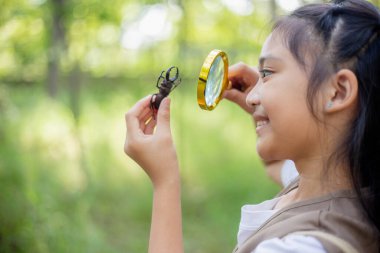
{"type": "Point", "coordinates": [165, 85]}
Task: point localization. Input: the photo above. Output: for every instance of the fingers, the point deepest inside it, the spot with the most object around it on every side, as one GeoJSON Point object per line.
{"type": "Point", "coordinates": [149, 127]}
{"type": "Point", "coordinates": [235, 96]}
{"type": "Point", "coordinates": [140, 120]}
{"type": "Point", "coordinates": [145, 117]}
{"type": "Point", "coordinates": [243, 70]}
{"type": "Point", "coordinates": [140, 106]}
{"type": "Point", "coordinates": [134, 115]}
{"type": "Point", "coordinates": [163, 116]}
{"type": "Point", "coordinates": [239, 98]}
{"type": "Point", "coordinates": [243, 79]}
{"type": "Point", "coordinates": [241, 74]}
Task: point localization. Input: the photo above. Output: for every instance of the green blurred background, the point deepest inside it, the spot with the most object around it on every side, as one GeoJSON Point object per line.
{"type": "Point", "coordinates": [69, 70]}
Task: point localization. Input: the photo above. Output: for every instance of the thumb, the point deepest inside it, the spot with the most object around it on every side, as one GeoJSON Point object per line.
{"type": "Point", "coordinates": [235, 96]}
{"type": "Point", "coordinates": [163, 116]}
{"type": "Point", "coordinates": [239, 98]}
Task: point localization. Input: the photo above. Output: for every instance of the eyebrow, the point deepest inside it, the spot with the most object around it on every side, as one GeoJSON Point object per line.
{"type": "Point", "coordinates": [263, 59]}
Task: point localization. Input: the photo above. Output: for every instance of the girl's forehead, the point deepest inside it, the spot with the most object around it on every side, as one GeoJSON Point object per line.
{"type": "Point", "coordinates": [273, 47]}
{"type": "Point", "coordinates": [269, 43]}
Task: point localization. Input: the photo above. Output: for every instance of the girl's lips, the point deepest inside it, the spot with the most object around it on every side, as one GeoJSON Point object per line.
{"type": "Point", "coordinates": [260, 125]}
{"type": "Point", "coordinates": [260, 118]}
{"type": "Point", "coordinates": [261, 121]}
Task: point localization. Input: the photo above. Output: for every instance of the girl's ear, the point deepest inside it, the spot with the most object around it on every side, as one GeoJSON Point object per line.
{"type": "Point", "coordinates": [342, 91]}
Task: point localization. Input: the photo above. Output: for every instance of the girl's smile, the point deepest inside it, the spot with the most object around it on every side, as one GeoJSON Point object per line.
{"type": "Point", "coordinates": [261, 121]}
{"type": "Point", "coordinates": [284, 124]}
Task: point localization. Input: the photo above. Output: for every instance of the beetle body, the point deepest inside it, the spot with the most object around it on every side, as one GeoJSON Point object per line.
{"type": "Point", "coordinates": [165, 85]}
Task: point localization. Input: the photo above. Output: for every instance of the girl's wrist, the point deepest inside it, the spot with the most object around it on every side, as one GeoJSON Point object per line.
{"type": "Point", "coordinates": [171, 181]}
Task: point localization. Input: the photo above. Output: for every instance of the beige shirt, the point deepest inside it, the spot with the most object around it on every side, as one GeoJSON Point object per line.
{"type": "Point", "coordinates": [338, 213]}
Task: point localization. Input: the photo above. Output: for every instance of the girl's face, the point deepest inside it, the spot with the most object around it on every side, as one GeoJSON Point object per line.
{"type": "Point", "coordinates": [285, 127]}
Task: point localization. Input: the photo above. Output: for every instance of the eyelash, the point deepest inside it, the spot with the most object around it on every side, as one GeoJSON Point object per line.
{"type": "Point", "coordinates": [265, 72]}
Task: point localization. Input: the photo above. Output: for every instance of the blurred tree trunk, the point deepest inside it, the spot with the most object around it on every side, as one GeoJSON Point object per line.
{"type": "Point", "coordinates": [74, 86]}
{"type": "Point", "coordinates": [273, 9]}
{"type": "Point", "coordinates": [75, 82]}
{"type": "Point", "coordinates": [183, 52]}
{"type": "Point", "coordinates": [57, 45]}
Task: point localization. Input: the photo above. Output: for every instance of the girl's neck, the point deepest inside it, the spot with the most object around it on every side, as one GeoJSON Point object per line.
{"type": "Point", "coordinates": [317, 180]}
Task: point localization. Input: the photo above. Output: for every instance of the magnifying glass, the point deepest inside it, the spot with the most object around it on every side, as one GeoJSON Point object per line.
{"type": "Point", "coordinates": [213, 79]}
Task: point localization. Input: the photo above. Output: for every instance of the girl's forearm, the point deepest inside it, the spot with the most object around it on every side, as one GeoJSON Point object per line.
{"type": "Point", "coordinates": [166, 228]}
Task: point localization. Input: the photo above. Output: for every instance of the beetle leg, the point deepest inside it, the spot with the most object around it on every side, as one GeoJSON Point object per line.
{"type": "Point", "coordinates": [175, 83]}
{"type": "Point", "coordinates": [159, 78]}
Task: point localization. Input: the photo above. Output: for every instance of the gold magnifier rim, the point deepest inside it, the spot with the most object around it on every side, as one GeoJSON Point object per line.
{"type": "Point", "coordinates": [203, 75]}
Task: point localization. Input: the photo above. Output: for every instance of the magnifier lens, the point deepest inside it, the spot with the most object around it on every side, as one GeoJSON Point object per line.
{"type": "Point", "coordinates": [214, 81]}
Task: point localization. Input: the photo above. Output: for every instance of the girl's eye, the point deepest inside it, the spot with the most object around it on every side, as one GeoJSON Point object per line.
{"type": "Point", "coordinates": [265, 72]}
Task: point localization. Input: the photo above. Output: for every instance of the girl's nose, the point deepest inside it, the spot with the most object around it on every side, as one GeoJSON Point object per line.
{"type": "Point", "coordinates": [253, 97]}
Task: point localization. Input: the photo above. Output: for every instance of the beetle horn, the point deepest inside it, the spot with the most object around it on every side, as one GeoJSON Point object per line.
{"type": "Point", "coordinates": [168, 74]}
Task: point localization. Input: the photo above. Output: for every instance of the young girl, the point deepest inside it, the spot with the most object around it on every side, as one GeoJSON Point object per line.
{"type": "Point", "coordinates": [315, 101]}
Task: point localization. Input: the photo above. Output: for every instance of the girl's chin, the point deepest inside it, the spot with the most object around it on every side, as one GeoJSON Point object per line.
{"type": "Point", "coordinates": [265, 151]}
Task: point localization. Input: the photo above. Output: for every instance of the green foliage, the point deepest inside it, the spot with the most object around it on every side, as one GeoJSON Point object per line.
{"type": "Point", "coordinates": [65, 183]}
{"type": "Point", "coordinates": [71, 189]}
{"type": "Point", "coordinates": [92, 35]}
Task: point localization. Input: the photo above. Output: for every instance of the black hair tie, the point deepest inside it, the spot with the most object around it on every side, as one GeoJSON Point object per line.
{"type": "Point", "coordinates": [338, 3]}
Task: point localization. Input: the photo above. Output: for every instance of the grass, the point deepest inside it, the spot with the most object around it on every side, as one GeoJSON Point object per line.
{"type": "Point", "coordinates": [66, 185]}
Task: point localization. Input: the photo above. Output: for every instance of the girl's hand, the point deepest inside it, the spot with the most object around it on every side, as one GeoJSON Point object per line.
{"type": "Point", "coordinates": [149, 141]}
{"type": "Point", "coordinates": [243, 78]}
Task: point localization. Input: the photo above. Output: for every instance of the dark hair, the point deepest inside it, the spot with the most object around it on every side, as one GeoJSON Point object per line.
{"type": "Point", "coordinates": [336, 35]}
